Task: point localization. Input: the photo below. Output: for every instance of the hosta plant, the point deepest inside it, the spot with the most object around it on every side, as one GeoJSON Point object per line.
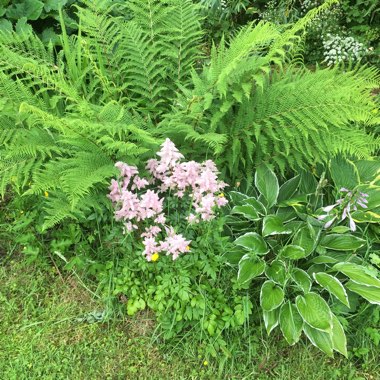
{"type": "Point", "coordinates": [310, 272]}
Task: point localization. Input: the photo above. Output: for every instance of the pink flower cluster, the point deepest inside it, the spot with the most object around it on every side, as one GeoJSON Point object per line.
{"type": "Point", "coordinates": [141, 202]}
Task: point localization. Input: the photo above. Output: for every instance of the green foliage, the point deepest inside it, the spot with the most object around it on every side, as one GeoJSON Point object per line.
{"type": "Point", "coordinates": [41, 15]}
{"type": "Point", "coordinates": [300, 261]}
{"type": "Point", "coordinates": [248, 106]}
{"type": "Point", "coordinates": [68, 117]}
{"type": "Point", "coordinates": [187, 293]}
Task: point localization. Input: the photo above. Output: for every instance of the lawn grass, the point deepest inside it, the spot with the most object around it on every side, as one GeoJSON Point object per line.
{"type": "Point", "coordinates": [46, 333]}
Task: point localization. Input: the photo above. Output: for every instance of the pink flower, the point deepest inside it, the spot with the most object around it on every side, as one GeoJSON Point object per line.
{"type": "Point", "coordinates": [114, 194]}
{"type": "Point", "coordinates": [221, 201]}
{"type": "Point", "coordinates": [152, 231]}
{"type": "Point", "coordinates": [126, 170]}
{"type": "Point", "coordinates": [170, 156]}
{"type": "Point", "coordinates": [207, 181]}
{"type": "Point", "coordinates": [129, 227]}
{"type": "Point", "coordinates": [176, 244]}
{"type": "Point", "coordinates": [160, 219]}
{"type": "Point", "coordinates": [192, 219]}
{"type": "Point", "coordinates": [139, 183]}
{"type": "Point", "coordinates": [149, 205]}
{"type": "Point", "coordinates": [151, 247]}
{"type": "Point", "coordinates": [129, 207]}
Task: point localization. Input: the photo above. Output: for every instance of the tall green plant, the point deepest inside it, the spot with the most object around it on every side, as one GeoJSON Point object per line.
{"type": "Point", "coordinates": [67, 116]}
{"type": "Point", "coordinates": [249, 105]}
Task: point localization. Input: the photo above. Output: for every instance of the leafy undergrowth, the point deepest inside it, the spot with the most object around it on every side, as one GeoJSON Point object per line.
{"type": "Point", "coordinates": [49, 330]}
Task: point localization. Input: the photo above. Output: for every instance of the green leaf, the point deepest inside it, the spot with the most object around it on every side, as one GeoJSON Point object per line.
{"type": "Point", "coordinates": [276, 272]}
{"type": "Point", "coordinates": [271, 296]}
{"type": "Point", "coordinates": [5, 25]}
{"type": "Point", "coordinates": [267, 184]}
{"type": "Point", "coordinates": [22, 27]}
{"type": "Point", "coordinates": [292, 252]}
{"type": "Point", "coordinates": [368, 170]}
{"type": "Point", "coordinates": [323, 259]}
{"type": "Point", "coordinates": [233, 256]}
{"type": "Point", "coordinates": [54, 5]}
{"type": "Point", "coordinates": [237, 198]}
{"type": "Point", "coordinates": [291, 323]}
{"type": "Point", "coordinates": [304, 239]}
{"type": "Point", "coordinates": [308, 183]}
{"type": "Point", "coordinates": [259, 207]}
{"type": "Point", "coordinates": [357, 273]}
{"type": "Point", "coordinates": [302, 279]}
{"type": "Point", "coordinates": [289, 188]}
{"type": "Point", "coordinates": [333, 286]}
{"type": "Point", "coordinates": [339, 337]}
{"type": "Point", "coordinates": [314, 311]}
{"type": "Point", "coordinates": [370, 293]}
{"type": "Point", "coordinates": [247, 211]}
{"type": "Point", "coordinates": [339, 242]}
{"type": "Point", "coordinates": [271, 319]}
{"type": "Point", "coordinates": [31, 9]}
{"type": "Point", "coordinates": [320, 339]}
{"type": "Point", "coordinates": [253, 242]}
{"type": "Point", "coordinates": [272, 225]}
{"type": "Point", "coordinates": [344, 173]}
{"type": "Point", "coordinates": [249, 268]}
{"type": "Point", "coordinates": [340, 229]}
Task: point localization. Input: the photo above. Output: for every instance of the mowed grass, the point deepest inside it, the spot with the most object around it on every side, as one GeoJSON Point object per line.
{"type": "Point", "coordinates": [47, 332]}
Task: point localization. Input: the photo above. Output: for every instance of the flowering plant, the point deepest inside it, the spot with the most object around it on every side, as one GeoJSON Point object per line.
{"type": "Point", "coordinates": [350, 201]}
{"type": "Point", "coordinates": [145, 205]}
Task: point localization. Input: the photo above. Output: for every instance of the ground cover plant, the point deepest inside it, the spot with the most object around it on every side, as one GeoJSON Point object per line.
{"type": "Point", "coordinates": [215, 185]}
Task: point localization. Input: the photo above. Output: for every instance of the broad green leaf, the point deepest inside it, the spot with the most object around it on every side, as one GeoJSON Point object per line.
{"type": "Point", "coordinates": [272, 225]}
{"type": "Point", "coordinates": [304, 239]}
{"type": "Point", "coordinates": [361, 216]}
{"type": "Point", "coordinates": [340, 242]}
{"type": "Point", "coordinates": [291, 323]}
{"type": "Point", "coordinates": [271, 296]}
{"type": "Point", "coordinates": [286, 214]}
{"type": "Point", "coordinates": [276, 272]}
{"type": "Point", "coordinates": [234, 255]}
{"type": "Point", "coordinates": [31, 9]}
{"type": "Point", "coordinates": [271, 319]}
{"type": "Point", "coordinates": [308, 183]}
{"type": "Point", "coordinates": [323, 259]}
{"type": "Point", "coordinates": [5, 25]}
{"type": "Point", "coordinates": [249, 268]}
{"type": "Point", "coordinates": [339, 337]}
{"type": "Point", "coordinates": [288, 189]}
{"type": "Point", "coordinates": [333, 286]}
{"type": "Point", "coordinates": [254, 242]}
{"type": "Point", "coordinates": [370, 293]}
{"type": "Point", "coordinates": [247, 211]}
{"type": "Point", "coordinates": [340, 229]}
{"type": "Point", "coordinates": [357, 273]}
{"type": "Point", "coordinates": [267, 184]}
{"type": "Point", "coordinates": [344, 173]}
{"type": "Point", "coordinates": [368, 170]}
{"type": "Point", "coordinates": [292, 252]}
{"type": "Point", "coordinates": [237, 198]}
{"type": "Point", "coordinates": [320, 339]}
{"type": "Point", "coordinates": [257, 205]}
{"type": "Point", "coordinates": [302, 279]}
{"type": "Point", "coordinates": [314, 311]}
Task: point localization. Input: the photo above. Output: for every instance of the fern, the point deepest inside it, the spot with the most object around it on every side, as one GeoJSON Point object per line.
{"type": "Point", "coordinates": [250, 105]}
